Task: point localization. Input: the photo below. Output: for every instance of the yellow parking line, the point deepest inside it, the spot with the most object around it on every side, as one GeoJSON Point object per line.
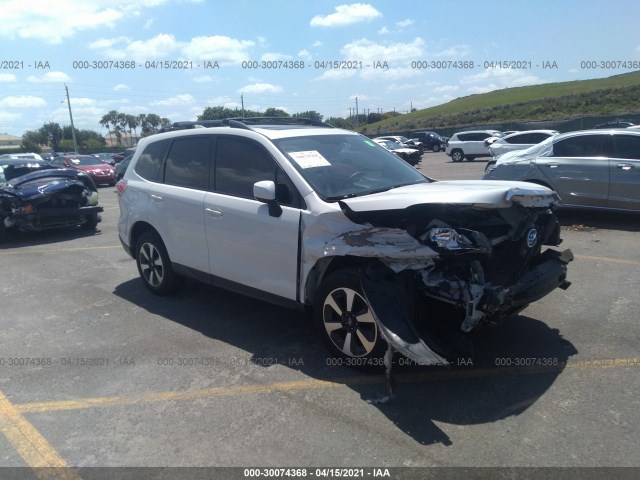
{"type": "Point", "coordinates": [31, 445]}
{"type": "Point", "coordinates": [100, 402]}
{"type": "Point", "coordinates": [608, 259]}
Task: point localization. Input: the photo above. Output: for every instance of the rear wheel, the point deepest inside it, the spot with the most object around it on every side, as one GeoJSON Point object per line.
{"type": "Point", "coordinates": [154, 265]}
{"type": "Point", "coordinates": [436, 147]}
{"type": "Point", "coordinates": [344, 320]}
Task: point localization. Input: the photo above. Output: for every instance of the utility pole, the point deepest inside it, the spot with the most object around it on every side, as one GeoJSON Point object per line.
{"type": "Point", "coordinates": [73, 130]}
{"type": "Point", "coordinates": [356, 111]}
{"type": "Point", "coordinates": [242, 103]}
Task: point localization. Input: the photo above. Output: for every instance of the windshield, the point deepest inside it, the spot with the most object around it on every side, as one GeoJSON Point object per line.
{"type": "Point", "coordinates": [342, 166]}
{"type": "Point", "coordinates": [84, 161]}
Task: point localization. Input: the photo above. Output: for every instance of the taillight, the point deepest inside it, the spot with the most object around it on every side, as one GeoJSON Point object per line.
{"type": "Point", "coordinates": [121, 186]}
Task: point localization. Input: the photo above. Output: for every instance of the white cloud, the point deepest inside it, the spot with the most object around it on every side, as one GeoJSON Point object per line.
{"type": "Point", "coordinates": [346, 15]}
{"type": "Point", "coordinates": [304, 54]}
{"type": "Point", "coordinates": [336, 74]}
{"type": "Point", "coordinates": [7, 77]}
{"type": "Point", "coordinates": [225, 50]}
{"type": "Point", "coordinates": [273, 56]}
{"type": "Point", "coordinates": [82, 102]}
{"type": "Point", "coordinates": [446, 89]}
{"type": "Point", "coordinates": [455, 51]}
{"type": "Point", "coordinates": [183, 99]}
{"type": "Point", "coordinates": [6, 117]}
{"type": "Point", "coordinates": [368, 51]}
{"type": "Point", "coordinates": [203, 79]}
{"type": "Point", "coordinates": [23, 101]}
{"type": "Point", "coordinates": [156, 47]}
{"type": "Point", "coordinates": [260, 88]}
{"type": "Point", "coordinates": [404, 23]}
{"type": "Point", "coordinates": [389, 74]}
{"type": "Point", "coordinates": [394, 87]}
{"type": "Point", "coordinates": [49, 77]}
{"type": "Point", "coordinates": [318, 43]}
{"type": "Point", "coordinates": [121, 87]}
{"type": "Point", "coordinates": [383, 31]}
{"type": "Point", "coordinates": [147, 25]}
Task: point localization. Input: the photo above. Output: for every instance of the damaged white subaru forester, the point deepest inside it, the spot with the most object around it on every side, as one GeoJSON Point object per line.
{"type": "Point", "coordinates": [300, 213]}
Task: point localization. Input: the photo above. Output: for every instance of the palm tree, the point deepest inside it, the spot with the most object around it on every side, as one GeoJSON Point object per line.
{"type": "Point", "coordinates": [105, 121]}
{"type": "Point", "coordinates": [132, 123]}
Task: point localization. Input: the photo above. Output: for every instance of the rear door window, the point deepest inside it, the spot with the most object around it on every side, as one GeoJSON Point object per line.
{"type": "Point", "coordinates": [188, 162]}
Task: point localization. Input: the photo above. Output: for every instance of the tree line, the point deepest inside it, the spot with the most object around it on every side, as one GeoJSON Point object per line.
{"type": "Point", "coordinates": [60, 138]}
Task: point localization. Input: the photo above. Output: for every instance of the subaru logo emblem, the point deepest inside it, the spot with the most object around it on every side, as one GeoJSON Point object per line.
{"type": "Point", "coordinates": [532, 237]}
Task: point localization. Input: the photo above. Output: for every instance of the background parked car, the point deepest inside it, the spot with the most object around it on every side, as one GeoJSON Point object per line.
{"type": "Point", "coordinates": [470, 144]}
{"type": "Point", "coordinates": [517, 141]}
{"type": "Point", "coordinates": [404, 142]}
{"type": "Point", "coordinates": [590, 168]}
{"type": "Point", "coordinates": [48, 198]}
{"type": "Point", "coordinates": [122, 166]}
{"type": "Point", "coordinates": [99, 172]}
{"type": "Point", "coordinates": [105, 157]}
{"type": "Point", "coordinates": [409, 155]}
{"type": "Point", "coordinates": [430, 140]}
{"type": "Point", "coordinates": [11, 168]}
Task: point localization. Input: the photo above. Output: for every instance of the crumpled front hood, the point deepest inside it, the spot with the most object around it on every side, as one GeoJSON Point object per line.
{"type": "Point", "coordinates": [483, 194]}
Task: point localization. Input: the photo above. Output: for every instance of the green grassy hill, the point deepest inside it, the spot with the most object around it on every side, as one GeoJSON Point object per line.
{"type": "Point", "coordinates": [615, 95]}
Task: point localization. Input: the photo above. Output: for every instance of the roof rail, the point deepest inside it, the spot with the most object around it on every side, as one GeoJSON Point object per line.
{"type": "Point", "coordinates": [244, 123]}
{"type": "Point", "coordinates": [281, 121]}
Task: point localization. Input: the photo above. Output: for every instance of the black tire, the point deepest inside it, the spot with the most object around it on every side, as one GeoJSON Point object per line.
{"type": "Point", "coordinates": [3, 230]}
{"type": "Point", "coordinates": [457, 155]}
{"type": "Point", "coordinates": [436, 147]}
{"type": "Point", "coordinates": [470, 158]}
{"type": "Point", "coordinates": [154, 265]}
{"type": "Point", "coordinates": [343, 319]}
{"type": "Point", "coordinates": [92, 222]}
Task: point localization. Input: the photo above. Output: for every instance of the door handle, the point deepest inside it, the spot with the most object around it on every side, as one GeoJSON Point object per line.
{"type": "Point", "coordinates": [552, 165]}
{"type": "Point", "coordinates": [624, 166]}
{"type": "Point", "coordinates": [214, 212]}
{"type": "Point", "coordinates": [155, 197]}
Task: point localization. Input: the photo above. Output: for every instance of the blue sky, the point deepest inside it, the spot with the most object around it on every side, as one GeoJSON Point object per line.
{"type": "Point", "coordinates": [54, 35]}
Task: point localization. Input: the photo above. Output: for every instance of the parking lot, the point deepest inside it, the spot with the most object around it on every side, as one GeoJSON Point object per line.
{"type": "Point", "coordinates": [95, 371]}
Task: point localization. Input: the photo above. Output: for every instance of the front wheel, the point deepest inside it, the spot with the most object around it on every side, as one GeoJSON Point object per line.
{"type": "Point", "coordinates": [436, 147]}
{"type": "Point", "coordinates": [154, 265]}
{"type": "Point", "coordinates": [344, 320]}
{"type": "Point", "coordinates": [457, 155]}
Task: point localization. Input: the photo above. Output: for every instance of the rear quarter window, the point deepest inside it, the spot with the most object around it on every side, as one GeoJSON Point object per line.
{"type": "Point", "coordinates": [149, 164]}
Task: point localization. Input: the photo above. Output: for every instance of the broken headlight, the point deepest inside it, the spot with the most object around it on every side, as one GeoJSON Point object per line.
{"type": "Point", "coordinates": [448, 239]}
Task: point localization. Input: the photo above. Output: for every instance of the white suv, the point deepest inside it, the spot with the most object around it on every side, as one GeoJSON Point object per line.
{"type": "Point", "coordinates": [471, 144]}
{"type": "Point", "coordinates": [308, 215]}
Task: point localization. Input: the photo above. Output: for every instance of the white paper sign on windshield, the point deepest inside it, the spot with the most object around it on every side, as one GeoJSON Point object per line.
{"type": "Point", "coordinates": [309, 159]}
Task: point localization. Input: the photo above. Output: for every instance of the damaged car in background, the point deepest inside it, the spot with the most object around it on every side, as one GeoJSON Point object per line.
{"type": "Point", "coordinates": [45, 198]}
{"type": "Point", "coordinates": [313, 216]}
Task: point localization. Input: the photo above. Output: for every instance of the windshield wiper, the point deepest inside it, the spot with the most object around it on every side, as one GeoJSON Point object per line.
{"type": "Point", "coordinates": [370, 192]}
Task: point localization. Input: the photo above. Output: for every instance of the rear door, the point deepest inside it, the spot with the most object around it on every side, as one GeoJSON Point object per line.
{"type": "Point", "coordinates": [248, 245]}
{"type": "Point", "coordinates": [624, 168]}
{"type": "Point", "coordinates": [175, 206]}
{"type": "Point", "coordinates": [578, 169]}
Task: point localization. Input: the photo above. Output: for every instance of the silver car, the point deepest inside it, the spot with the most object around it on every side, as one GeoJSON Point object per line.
{"type": "Point", "coordinates": [588, 169]}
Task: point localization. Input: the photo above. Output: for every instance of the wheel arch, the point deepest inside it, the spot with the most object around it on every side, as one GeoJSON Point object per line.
{"type": "Point", "coordinates": [138, 229]}
{"type": "Point", "coordinates": [325, 267]}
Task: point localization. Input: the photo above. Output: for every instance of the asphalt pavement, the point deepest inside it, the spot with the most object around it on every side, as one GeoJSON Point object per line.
{"type": "Point", "coordinates": [97, 372]}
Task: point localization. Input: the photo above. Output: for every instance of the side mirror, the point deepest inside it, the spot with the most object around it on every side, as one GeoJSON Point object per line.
{"type": "Point", "coordinates": [265, 192]}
